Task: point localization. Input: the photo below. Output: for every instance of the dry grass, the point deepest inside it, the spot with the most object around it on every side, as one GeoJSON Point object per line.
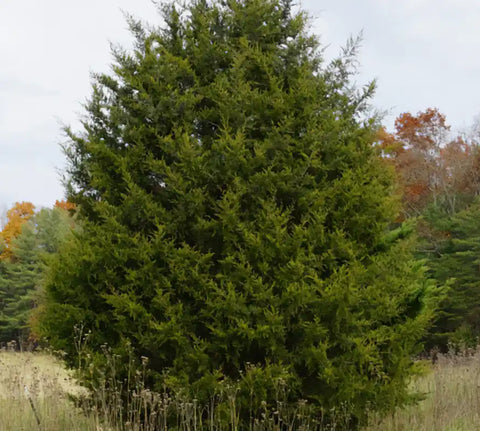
{"type": "Point", "coordinates": [452, 400]}
{"type": "Point", "coordinates": [452, 397]}
{"type": "Point", "coordinates": [40, 379]}
{"type": "Point", "coordinates": [41, 373]}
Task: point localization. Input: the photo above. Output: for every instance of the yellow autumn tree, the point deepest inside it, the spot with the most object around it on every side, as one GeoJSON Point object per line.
{"type": "Point", "coordinates": [16, 217]}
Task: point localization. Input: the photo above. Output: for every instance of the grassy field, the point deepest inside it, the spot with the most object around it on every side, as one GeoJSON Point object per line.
{"type": "Point", "coordinates": [38, 379]}
{"type": "Point", "coordinates": [452, 397]}
{"type": "Point", "coordinates": [452, 400]}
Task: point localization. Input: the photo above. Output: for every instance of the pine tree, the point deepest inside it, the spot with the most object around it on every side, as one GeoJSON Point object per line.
{"type": "Point", "coordinates": [234, 217]}
{"type": "Point", "coordinates": [451, 245]}
{"type": "Point", "coordinates": [17, 283]}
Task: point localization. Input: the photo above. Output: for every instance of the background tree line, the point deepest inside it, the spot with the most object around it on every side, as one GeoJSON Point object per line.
{"type": "Point", "coordinates": [28, 239]}
{"type": "Point", "coordinates": [438, 179]}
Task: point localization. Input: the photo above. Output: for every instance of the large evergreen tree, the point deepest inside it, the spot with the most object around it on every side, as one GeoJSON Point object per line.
{"type": "Point", "coordinates": [235, 215]}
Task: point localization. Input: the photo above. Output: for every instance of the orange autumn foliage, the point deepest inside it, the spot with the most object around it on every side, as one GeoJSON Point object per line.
{"type": "Point", "coordinates": [425, 131]}
{"type": "Point", "coordinates": [431, 167]}
{"type": "Point", "coordinates": [390, 147]}
{"type": "Point", "coordinates": [16, 216]}
{"type": "Point", "coordinates": [67, 206]}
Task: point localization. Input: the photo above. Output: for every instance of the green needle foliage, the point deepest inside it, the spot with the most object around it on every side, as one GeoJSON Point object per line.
{"type": "Point", "coordinates": [18, 279]}
{"type": "Point", "coordinates": [235, 215]}
{"type": "Point", "coordinates": [451, 244]}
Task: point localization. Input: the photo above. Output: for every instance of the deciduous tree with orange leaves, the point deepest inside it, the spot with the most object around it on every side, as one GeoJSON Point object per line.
{"type": "Point", "coordinates": [432, 167]}
{"type": "Point", "coordinates": [66, 205]}
{"type": "Point", "coordinates": [20, 213]}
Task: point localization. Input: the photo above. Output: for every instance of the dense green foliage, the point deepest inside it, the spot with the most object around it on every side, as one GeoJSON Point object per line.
{"type": "Point", "coordinates": [20, 275]}
{"type": "Point", "coordinates": [234, 218]}
{"type": "Point", "coordinates": [451, 245]}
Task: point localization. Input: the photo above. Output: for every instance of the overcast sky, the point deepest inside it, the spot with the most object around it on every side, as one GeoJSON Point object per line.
{"type": "Point", "coordinates": [423, 53]}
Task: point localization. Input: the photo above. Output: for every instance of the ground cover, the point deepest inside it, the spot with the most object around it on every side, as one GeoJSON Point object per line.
{"type": "Point", "coordinates": [452, 397]}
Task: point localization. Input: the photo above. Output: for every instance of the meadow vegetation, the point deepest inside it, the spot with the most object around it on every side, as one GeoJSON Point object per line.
{"type": "Point", "coordinates": [451, 395]}
{"type": "Point", "coordinates": [40, 380]}
{"type": "Point", "coordinates": [451, 398]}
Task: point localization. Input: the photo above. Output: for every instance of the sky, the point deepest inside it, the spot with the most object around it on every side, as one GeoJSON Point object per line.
{"type": "Point", "coordinates": [422, 53]}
